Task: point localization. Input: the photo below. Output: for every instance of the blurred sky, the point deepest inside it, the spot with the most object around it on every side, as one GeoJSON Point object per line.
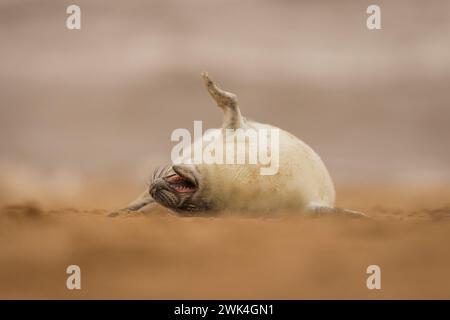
{"type": "Point", "coordinates": [100, 103]}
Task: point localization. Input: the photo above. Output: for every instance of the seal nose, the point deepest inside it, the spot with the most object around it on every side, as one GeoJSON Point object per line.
{"type": "Point", "coordinates": [163, 194]}
{"type": "Point", "coordinates": [152, 190]}
{"type": "Point", "coordinates": [155, 187]}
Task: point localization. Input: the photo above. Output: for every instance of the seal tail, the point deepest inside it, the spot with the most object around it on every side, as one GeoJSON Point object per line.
{"type": "Point", "coordinates": [323, 210]}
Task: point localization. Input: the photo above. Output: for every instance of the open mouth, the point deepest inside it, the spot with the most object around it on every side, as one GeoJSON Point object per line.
{"type": "Point", "coordinates": [181, 183]}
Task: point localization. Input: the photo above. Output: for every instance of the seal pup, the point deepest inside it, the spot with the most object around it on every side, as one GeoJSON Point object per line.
{"type": "Point", "coordinates": [302, 182]}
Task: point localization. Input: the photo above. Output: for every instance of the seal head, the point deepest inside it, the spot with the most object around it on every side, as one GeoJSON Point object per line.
{"type": "Point", "coordinates": [179, 188]}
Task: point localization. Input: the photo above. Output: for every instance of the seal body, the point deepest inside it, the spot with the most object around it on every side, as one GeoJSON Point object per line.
{"type": "Point", "coordinates": [301, 181]}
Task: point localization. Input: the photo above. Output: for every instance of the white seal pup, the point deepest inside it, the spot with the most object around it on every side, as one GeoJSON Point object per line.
{"type": "Point", "coordinates": [299, 182]}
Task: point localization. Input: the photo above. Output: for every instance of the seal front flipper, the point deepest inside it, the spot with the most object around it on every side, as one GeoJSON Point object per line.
{"type": "Point", "coordinates": [141, 204]}
{"type": "Point", "coordinates": [325, 211]}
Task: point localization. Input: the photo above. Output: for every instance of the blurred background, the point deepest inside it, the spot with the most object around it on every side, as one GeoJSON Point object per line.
{"type": "Point", "coordinates": [85, 115]}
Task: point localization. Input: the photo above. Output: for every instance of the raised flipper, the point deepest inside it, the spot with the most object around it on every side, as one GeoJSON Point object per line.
{"type": "Point", "coordinates": [227, 101]}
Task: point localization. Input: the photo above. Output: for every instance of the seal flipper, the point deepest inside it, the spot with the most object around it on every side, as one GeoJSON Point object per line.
{"type": "Point", "coordinates": [142, 203]}
{"type": "Point", "coordinates": [323, 210]}
{"type": "Point", "coordinates": [227, 101]}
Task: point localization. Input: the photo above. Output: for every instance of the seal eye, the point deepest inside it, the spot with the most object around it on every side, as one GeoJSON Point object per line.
{"type": "Point", "coordinates": [181, 184]}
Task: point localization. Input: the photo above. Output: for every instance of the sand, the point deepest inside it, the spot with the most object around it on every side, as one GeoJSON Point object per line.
{"type": "Point", "coordinates": [160, 255]}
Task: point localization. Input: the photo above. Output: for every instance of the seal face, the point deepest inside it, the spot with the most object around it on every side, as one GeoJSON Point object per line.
{"type": "Point", "coordinates": [177, 187]}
